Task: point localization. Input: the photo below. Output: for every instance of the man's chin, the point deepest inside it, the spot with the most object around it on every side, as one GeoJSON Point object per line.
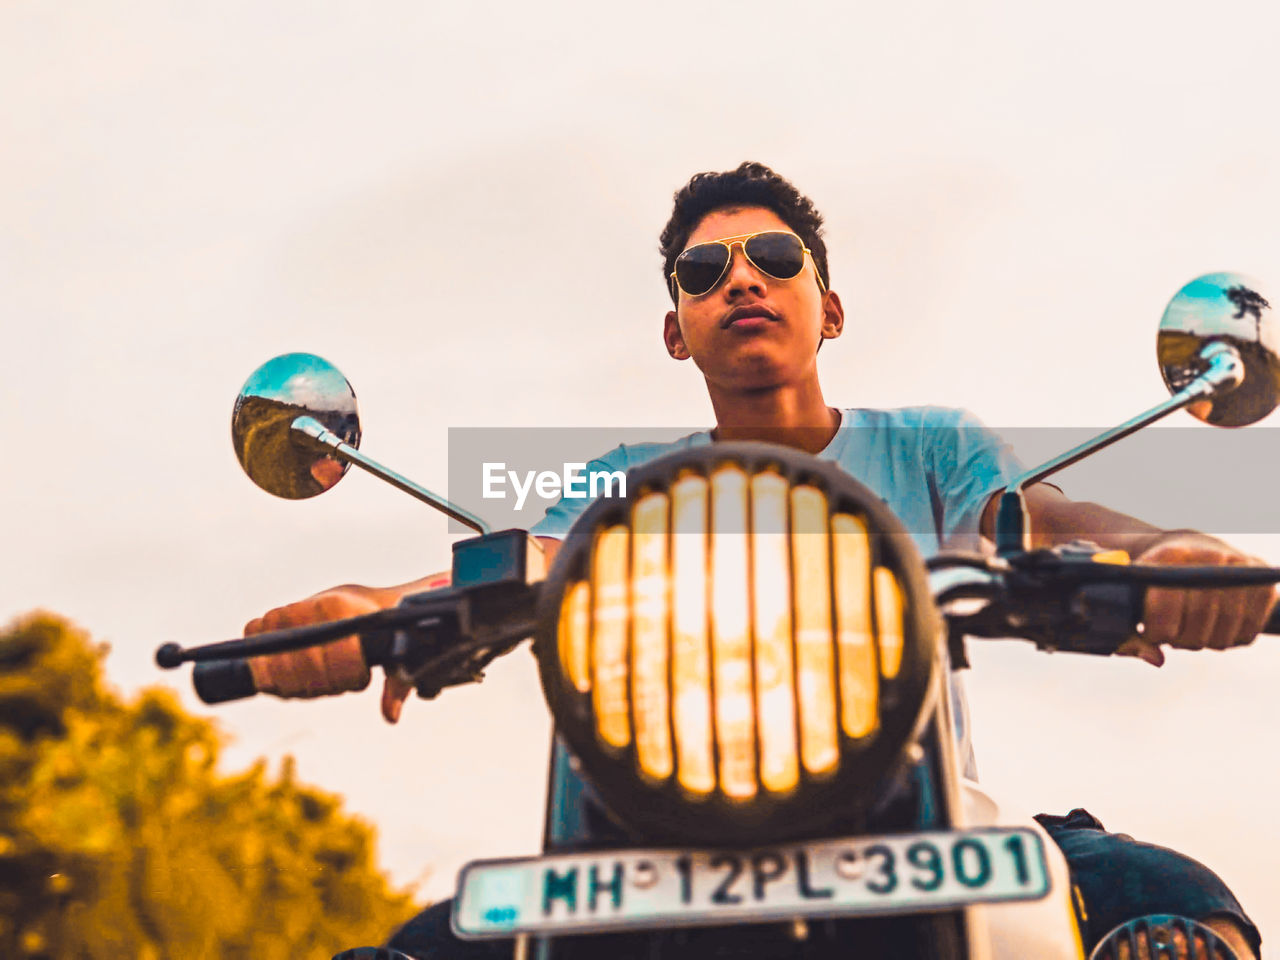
{"type": "Point", "coordinates": [753, 376]}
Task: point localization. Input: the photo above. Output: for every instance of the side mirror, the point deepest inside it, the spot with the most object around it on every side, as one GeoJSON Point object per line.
{"type": "Point", "coordinates": [296, 429]}
{"type": "Point", "coordinates": [1217, 348]}
{"type": "Point", "coordinates": [280, 459]}
{"type": "Point", "coordinates": [1229, 309]}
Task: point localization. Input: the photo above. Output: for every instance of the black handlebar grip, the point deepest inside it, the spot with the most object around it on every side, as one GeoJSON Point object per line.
{"type": "Point", "coordinates": [1272, 626]}
{"type": "Point", "coordinates": [1273, 622]}
{"type": "Point", "coordinates": [220, 681]}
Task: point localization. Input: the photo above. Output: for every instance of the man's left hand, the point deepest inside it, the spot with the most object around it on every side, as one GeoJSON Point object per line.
{"type": "Point", "coordinates": [1198, 619]}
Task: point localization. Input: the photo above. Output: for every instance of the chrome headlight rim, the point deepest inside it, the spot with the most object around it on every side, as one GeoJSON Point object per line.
{"type": "Point", "coordinates": [666, 812]}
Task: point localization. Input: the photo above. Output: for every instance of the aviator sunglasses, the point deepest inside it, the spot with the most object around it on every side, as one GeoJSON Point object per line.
{"type": "Point", "coordinates": [775, 253]}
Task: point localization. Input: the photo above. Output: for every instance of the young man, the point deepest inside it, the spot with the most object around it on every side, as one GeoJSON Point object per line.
{"type": "Point", "coordinates": [746, 267]}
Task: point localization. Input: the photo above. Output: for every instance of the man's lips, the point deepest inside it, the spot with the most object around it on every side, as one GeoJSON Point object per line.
{"type": "Point", "coordinates": [749, 316]}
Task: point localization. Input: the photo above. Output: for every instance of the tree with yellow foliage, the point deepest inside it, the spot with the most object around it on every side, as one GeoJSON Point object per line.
{"type": "Point", "coordinates": [119, 838]}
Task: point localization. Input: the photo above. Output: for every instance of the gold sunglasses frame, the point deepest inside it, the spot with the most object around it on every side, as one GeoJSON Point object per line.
{"type": "Point", "coordinates": [741, 240]}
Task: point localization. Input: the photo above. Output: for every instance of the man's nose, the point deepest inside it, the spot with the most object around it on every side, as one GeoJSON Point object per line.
{"type": "Point", "coordinates": [743, 277]}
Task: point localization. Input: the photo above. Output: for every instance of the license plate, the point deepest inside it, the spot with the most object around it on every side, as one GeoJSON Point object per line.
{"type": "Point", "coordinates": [634, 889]}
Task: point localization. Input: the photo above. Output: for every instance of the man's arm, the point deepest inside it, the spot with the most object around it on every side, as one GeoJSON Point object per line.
{"type": "Point", "coordinates": [1189, 619]}
{"type": "Point", "coordinates": [339, 666]}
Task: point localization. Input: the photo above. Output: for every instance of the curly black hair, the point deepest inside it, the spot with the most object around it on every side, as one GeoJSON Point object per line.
{"type": "Point", "coordinates": [751, 185]}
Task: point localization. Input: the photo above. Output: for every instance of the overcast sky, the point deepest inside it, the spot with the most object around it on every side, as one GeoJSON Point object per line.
{"type": "Point", "coordinates": [458, 204]}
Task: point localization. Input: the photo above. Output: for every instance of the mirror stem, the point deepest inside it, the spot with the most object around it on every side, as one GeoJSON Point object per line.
{"type": "Point", "coordinates": [1225, 372]}
{"type": "Point", "coordinates": [316, 432]}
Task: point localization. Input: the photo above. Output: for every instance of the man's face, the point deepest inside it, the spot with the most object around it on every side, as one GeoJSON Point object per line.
{"type": "Point", "coordinates": [752, 331]}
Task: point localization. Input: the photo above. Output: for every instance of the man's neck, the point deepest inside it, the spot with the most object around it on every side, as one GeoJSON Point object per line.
{"type": "Point", "coordinates": [792, 417]}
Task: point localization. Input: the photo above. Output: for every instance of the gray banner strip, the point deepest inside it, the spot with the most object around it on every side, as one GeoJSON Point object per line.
{"type": "Point", "coordinates": [1220, 481]}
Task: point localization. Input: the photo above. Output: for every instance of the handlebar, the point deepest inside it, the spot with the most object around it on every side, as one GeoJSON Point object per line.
{"type": "Point", "coordinates": [220, 676]}
{"type": "Point", "coordinates": [1060, 599]}
{"type": "Point", "coordinates": [221, 681]}
{"type": "Point", "coordinates": [1072, 598]}
{"type": "Point", "coordinates": [438, 638]}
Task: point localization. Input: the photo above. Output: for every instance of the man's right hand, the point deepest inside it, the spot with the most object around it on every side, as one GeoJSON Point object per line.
{"type": "Point", "coordinates": [333, 668]}
{"type": "Point", "coordinates": [339, 666]}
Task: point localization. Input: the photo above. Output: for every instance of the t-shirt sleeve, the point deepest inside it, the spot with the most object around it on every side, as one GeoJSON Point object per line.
{"type": "Point", "coordinates": [560, 517]}
{"type": "Point", "coordinates": [969, 463]}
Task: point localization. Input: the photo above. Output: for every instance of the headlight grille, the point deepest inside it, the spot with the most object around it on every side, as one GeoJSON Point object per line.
{"type": "Point", "coordinates": [729, 637]}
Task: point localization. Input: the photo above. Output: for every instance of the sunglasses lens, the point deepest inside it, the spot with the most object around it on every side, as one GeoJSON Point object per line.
{"type": "Point", "coordinates": [781, 255]}
{"type": "Point", "coordinates": [700, 267]}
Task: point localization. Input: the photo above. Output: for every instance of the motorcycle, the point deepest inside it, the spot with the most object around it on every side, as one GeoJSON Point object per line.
{"type": "Point", "coordinates": [747, 664]}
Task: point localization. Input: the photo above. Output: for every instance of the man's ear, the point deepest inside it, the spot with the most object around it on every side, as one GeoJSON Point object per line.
{"type": "Point", "coordinates": [673, 338]}
{"type": "Point", "coordinates": [832, 315]}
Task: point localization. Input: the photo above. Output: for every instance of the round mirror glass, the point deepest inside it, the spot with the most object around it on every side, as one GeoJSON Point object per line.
{"type": "Point", "coordinates": [277, 458]}
{"type": "Point", "coordinates": [1230, 308]}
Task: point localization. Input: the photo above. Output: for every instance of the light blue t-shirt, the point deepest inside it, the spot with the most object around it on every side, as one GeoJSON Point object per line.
{"type": "Point", "coordinates": [936, 468]}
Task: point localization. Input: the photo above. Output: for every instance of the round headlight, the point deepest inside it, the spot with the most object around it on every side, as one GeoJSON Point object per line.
{"type": "Point", "coordinates": [740, 649]}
